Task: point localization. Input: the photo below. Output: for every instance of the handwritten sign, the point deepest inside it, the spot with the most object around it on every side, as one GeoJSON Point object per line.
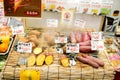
{"type": "Point", "coordinates": [97, 45]}
{"type": "Point", "coordinates": [61, 40]}
{"type": "Point", "coordinates": [52, 23]}
{"type": "Point", "coordinates": [72, 48]}
{"type": "Point", "coordinates": [18, 30]}
{"type": "Point", "coordinates": [96, 35]}
{"type": "Point", "coordinates": [24, 47]}
{"type": "Point", "coordinates": [79, 23]}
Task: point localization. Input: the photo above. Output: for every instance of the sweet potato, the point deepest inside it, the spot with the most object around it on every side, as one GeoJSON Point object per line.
{"type": "Point", "coordinates": [78, 37]}
{"type": "Point", "coordinates": [87, 61]}
{"type": "Point", "coordinates": [72, 38]}
{"type": "Point", "coordinates": [35, 32]}
{"type": "Point", "coordinates": [35, 40]}
{"type": "Point", "coordinates": [31, 60]}
{"type": "Point", "coordinates": [49, 59]}
{"type": "Point", "coordinates": [85, 49]}
{"type": "Point", "coordinates": [85, 36]}
{"type": "Point", "coordinates": [37, 50]}
{"type": "Point", "coordinates": [40, 59]}
{"type": "Point", "coordinates": [98, 61]}
{"type": "Point", "coordinates": [85, 43]}
{"type": "Point", "coordinates": [64, 61]}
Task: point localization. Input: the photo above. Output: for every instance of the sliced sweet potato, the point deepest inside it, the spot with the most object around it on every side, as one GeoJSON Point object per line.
{"type": "Point", "coordinates": [37, 50]}
{"type": "Point", "coordinates": [49, 59]}
{"type": "Point", "coordinates": [31, 60]}
{"type": "Point", "coordinates": [64, 61]}
{"type": "Point", "coordinates": [40, 59]}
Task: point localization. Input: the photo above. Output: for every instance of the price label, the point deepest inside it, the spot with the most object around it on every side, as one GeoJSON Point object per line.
{"type": "Point", "coordinates": [18, 30]}
{"type": "Point", "coordinates": [60, 39]}
{"type": "Point", "coordinates": [96, 35]}
{"type": "Point", "coordinates": [24, 47]}
{"type": "Point", "coordinates": [52, 23]}
{"type": "Point", "coordinates": [97, 45]}
{"type": "Point", "coordinates": [72, 48]}
{"type": "Point", "coordinates": [79, 23]}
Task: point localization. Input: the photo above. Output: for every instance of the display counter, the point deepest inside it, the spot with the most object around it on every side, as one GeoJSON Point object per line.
{"type": "Point", "coordinates": [57, 72]}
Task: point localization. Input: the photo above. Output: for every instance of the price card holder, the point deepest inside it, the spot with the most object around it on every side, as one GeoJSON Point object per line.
{"type": "Point", "coordinates": [24, 47]}
{"type": "Point", "coordinates": [61, 40]}
{"type": "Point", "coordinates": [52, 23]}
{"type": "Point", "coordinates": [72, 48]}
{"type": "Point", "coordinates": [96, 35]}
{"type": "Point", "coordinates": [97, 45]}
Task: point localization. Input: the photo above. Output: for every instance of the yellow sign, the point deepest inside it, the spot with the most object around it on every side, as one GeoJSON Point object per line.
{"type": "Point", "coordinates": [29, 75]}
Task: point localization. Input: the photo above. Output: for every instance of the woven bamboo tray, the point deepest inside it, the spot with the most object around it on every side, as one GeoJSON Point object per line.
{"type": "Point", "coordinates": [56, 72]}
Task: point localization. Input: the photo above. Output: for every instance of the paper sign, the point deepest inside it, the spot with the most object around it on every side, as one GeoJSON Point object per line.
{"type": "Point", "coordinates": [18, 30]}
{"type": "Point", "coordinates": [24, 47]}
{"type": "Point", "coordinates": [72, 48]}
{"type": "Point", "coordinates": [96, 35]}
{"type": "Point", "coordinates": [79, 23]}
{"type": "Point", "coordinates": [67, 17]}
{"type": "Point", "coordinates": [52, 23]}
{"type": "Point", "coordinates": [60, 39]}
{"type": "Point", "coordinates": [97, 45]}
{"type": "Point", "coordinates": [3, 21]}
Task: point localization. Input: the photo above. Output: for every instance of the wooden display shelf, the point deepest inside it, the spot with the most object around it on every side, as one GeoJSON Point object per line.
{"type": "Point", "coordinates": [57, 72]}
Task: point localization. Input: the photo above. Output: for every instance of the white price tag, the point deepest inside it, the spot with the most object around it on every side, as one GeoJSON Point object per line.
{"type": "Point", "coordinates": [97, 45]}
{"type": "Point", "coordinates": [96, 35]}
{"type": "Point", "coordinates": [60, 39]}
{"type": "Point", "coordinates": [79, 23]}
{"type": "Point", "coordinates": [18, 30]}
{"type": "Point", "coordinates": [72, 48]}
{"type": "Point", "coordinates": [24, 47]}
{"type": "Point", "coordinates": [52, 23]}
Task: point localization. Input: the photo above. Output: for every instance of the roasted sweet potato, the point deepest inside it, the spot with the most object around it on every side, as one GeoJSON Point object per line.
{"type": "Point", "coordinates": [98, 61]}
{"type": "Point", "coordinates": [49, 59]}
{"type": "Point", "coordinates": [85, 43]}
{"type": "Point", "coordinates": [31, 60]}
{"type": "Point", "coordinates": [37, 50]}
{"type": "Point", "coordinates": [35, 32]}
{"type": "Point", "coordinates": [87, 61]}
{"type": "Point", "coordinates": [64, 61]}
{"type": "Point", "coordinates": [40, 59]}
